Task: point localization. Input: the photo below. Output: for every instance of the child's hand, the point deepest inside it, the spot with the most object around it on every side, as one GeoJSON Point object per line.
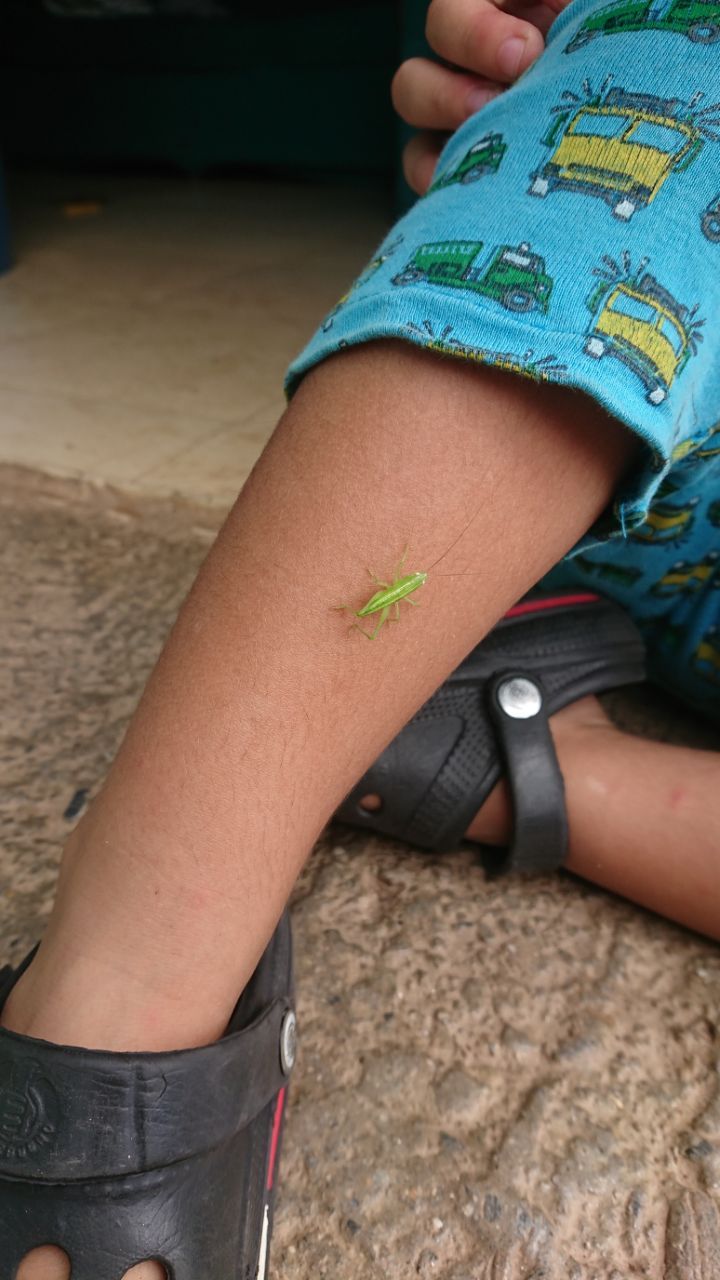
{"type": "Point", "coordinates": [489, 43]}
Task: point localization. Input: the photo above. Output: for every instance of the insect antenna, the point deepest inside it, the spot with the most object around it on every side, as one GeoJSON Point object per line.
{"type": "Point", "coordinates": [447, 551]}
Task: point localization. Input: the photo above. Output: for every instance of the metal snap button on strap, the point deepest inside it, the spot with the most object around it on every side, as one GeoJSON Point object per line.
{"type": "Point", "coordinates": [519, 698]}
{"type": "Point", "coordinates": [525, 745]}
{"type": "Point", "coordinates": [288, 1042]}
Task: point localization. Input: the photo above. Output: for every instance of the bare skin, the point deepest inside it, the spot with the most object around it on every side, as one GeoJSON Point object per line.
{"type": "Point", "coordinates": [641, 816]}
{"type": "Point", "coordinates": [240, 750]}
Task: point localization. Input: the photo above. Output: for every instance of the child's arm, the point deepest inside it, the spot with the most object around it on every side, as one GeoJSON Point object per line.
{"type": "Point", "coordinates": [489, 46]}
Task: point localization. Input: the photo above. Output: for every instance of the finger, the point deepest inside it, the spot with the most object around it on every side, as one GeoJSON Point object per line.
{"type": "Point", "coordinates": [478, 36]}
{"type": "Point", "coordinates": [541, 15]}
{"type": "Point", "coordinates": [430, 96]}
{"type": "Point", "coordinates": [419, 159]}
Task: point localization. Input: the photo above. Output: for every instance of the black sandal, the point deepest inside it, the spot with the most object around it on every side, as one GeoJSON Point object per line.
{"type": "Point", "coordinates": [120, 1158]}
{"type": "Point", "coordinates": [427, 786]}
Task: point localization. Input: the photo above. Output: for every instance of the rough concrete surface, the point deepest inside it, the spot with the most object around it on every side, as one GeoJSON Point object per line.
{"type": "Point", "coordinates": [497, 1081]}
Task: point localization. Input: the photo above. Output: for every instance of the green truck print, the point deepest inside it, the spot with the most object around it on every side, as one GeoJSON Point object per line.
{"type": "Point", "coordinates": [485, 156]}
{"type": "Point", "coordinates": [699, 20]}
{"type": "Point", "coordinates": [514, 276]}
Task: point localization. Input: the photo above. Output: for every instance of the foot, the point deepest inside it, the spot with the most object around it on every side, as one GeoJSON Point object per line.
{"type": "Point", "coordinates": [52, 1264]}
{"type": "Point", "coordinates": [97, 1018]}
{"type": "Point", "coordinates": [572, 729]}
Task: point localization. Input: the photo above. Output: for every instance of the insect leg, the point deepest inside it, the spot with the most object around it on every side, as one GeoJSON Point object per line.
{"type": "Point", "coordinates": [384, 615]}
{"type": "Point", "coordinates": [378, 581]}
{"type": "Point", "coordinates": [403, 558]}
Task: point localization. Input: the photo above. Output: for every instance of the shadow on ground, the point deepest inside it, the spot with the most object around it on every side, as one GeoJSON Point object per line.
{"type": "Point", "coordinates": [497, 1081]}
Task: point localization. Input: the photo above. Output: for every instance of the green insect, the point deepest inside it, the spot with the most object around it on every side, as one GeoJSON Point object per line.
{"type": "Point", "coordinates": [386, 601]}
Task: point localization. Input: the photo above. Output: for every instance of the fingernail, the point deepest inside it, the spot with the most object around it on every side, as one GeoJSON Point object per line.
{"type": "Point", "coordinates": [479, 98]}
{"type": "Point", "coordinates": [510, 55]}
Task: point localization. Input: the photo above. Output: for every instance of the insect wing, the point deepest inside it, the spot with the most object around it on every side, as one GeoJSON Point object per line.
{"type": "Point", "coordinates": [386, 596]}
{"type": "Point", "coordinates": [375, 603]}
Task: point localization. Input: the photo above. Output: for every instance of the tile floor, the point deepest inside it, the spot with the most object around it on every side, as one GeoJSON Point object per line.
{"type": "Point", "coordinates": [144, 345]}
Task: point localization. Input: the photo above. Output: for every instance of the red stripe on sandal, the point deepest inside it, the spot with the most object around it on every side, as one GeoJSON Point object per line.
{"type": "Point", "coordinates": [277, 1120]}
{"type": "Point", "coordinates": [552, 602]}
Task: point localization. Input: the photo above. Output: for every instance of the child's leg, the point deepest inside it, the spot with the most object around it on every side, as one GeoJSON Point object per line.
{"type": "Point", "coordinates": [263, 711]}
{"type": "Point", "coordinates": [264, 708]}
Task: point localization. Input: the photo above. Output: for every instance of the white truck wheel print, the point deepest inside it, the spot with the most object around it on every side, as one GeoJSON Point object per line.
{"type": "Point", "coordinates": [657, 395]}
{"type": "Point", "coordinates": [408, 277]}
{"type": "Point", "coordinates": [624, 209]}
{"type": "Point", "coordinates": [474, 174]}
{"type": "Point", "coordinates": [704, 32]}
{"type": "Point", "coordinates": [540, 186]}
{"type": "Point", "coordinates": [518, 300]}
{"type": "Point", "coordinates": [595, 347]}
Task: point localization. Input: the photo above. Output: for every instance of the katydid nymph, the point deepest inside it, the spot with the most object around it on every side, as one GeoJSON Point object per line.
{"type": "Point", "coordinates": [385, 602]}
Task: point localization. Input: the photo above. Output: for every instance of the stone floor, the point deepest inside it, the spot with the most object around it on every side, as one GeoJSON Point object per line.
{"type": "Point", "coordinates": [497, 1081]}
{"type": "Point", "coordinates": [144, 333]}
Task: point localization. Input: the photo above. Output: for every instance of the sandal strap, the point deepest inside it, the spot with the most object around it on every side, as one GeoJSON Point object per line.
{"type": "Point", "coordinates": [435, 775]}
{"type": "Point", "coordinates": [540, 829]}
{"type": "Point", "coordinates": [67, 1115]}
{"type": "Point", "coordinates": [121, 1158]}
{"type": "Point", "coordinates": [516, 705]}
{"type": "Point", "coordinates": [70, 1114]}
